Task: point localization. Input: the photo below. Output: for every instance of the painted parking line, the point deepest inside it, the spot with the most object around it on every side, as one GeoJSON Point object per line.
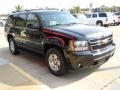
{"type": "Point", "coordinates": [28, 76]}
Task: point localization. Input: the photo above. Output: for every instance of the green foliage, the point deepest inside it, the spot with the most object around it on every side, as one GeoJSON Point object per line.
{"type": "Point", "coordinates": [75, 9]}
{"type": "Point", "coordinates": [110, 9]}
{"type": "Point", "coordinates": [18, 8]}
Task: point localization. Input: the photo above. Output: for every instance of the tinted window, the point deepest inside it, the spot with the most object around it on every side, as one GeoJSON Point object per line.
{"type": "Point", "coordinates": [32, 19]}
{"type": "Point", "coordinates": [21, 19]}
{"type": "Point", "coordinates": [75, 16]}
{"type": "Point", "coordinates": [88, 15]}
{"type": "Point", "coordinates": [10, 19]}
{"type": "Point", "coordinates": [102, 15]}
{"type": "Point", "coordinates": [117, 14]}
{"type": "Point", "coordinates": [94, 15]}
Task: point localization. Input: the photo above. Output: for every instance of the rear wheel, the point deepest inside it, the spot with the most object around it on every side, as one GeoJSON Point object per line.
{"type": "Point", "coordinates": [99, 23]}
{"type": "Point", "coordinates": [13, 47]}
{"type": "Point", "coordinates": [56, 62]}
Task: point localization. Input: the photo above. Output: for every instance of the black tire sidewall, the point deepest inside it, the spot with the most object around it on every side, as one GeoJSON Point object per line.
{"type": "Point", "coordinates": [15, 47]}
{"type": "Point", "coordinates": [100, 23]}
{"type": "Point", "coordinates": [63, 67]}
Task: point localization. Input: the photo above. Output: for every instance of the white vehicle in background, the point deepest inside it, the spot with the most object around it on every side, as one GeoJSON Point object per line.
{"type": "Point", "coordinates": [3, 21]}
{"type": "Point", "coordinates": [117, 15]}
{"type": "Point", "coordinates": [112, 18]}
{"type": "Point", "coordinates": [98, 18]}
{"type": "Point", "coordinates": [82, 18]}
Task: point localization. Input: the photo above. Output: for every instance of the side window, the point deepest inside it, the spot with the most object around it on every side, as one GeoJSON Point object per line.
{"type": "Point", "coordinates": [21, 19]}
{"type": "Point", "coordinates": [10, 19]}
{"type": "Point", "coordinates": [94, 15]}
{"type": "Point", "coordinates": [32, 19]}
{"type": "Point", "coordinates": [88, 15]}
{"type": "Point", "coordinates": [102, 15]}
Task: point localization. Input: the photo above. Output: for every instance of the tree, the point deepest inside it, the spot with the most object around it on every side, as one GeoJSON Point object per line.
{"type": "Point", "coordinates": [18, 8]}
{"type": "Point", "coordinates": [75, 9]}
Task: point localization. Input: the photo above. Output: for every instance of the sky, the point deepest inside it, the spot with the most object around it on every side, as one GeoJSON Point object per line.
{"type": "Point", "coordinates": [7, 6]}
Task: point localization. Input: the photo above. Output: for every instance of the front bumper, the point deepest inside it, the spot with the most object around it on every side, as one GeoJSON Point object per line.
{"type": "Point", "coordinates": [88, 59]}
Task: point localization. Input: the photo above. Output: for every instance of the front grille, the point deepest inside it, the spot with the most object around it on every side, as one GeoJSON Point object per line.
{"type": "Point", "coordinates": [101, 43]}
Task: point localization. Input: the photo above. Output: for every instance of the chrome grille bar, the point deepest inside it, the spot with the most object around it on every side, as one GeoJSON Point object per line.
{"type": "Point", "coordinates": [101, 43]}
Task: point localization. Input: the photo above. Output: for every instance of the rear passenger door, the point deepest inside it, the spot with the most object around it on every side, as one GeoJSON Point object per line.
{"type": "Point", "coordinates": [103, 17]}
{"type": "Point", "coordinates": [89, 19]}
{"type": "Point", "coordinates": [94, 19]}
{"type": "Point", "coordinates": [20, 28]}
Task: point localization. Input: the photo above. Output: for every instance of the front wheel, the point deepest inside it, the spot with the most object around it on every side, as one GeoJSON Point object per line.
{"type": "Point", "coordinates": [56, 62]}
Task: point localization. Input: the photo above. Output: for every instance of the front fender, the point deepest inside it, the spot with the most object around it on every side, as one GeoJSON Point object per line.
{"type": "Point", "coordinates": [56, 41]}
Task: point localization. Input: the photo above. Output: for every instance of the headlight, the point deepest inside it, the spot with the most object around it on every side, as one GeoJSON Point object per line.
{"type": "Point", "coordinates": [78, 45]}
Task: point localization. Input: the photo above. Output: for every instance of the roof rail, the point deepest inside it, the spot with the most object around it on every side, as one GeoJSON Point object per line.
{"type": "Point", "coordinates": [26, 10]}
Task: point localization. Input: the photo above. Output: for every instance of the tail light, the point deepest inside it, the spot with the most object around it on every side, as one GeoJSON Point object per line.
{"type": "Point", "coordinates": [119, 17]}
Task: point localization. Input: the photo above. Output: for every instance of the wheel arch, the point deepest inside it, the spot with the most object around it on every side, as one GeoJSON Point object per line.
{"type": "Point", "coordinates": [9, 36]}
{"type": "Point", "coordinates": [99, 21]}
{"type": "Point", "coordinates": [47, 46]}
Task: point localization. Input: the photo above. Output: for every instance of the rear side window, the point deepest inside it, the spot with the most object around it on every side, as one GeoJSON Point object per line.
{"type": "Point", "coordinates": [21, 20]}
{"type": "Point", "coordinates": [94, 15]}
{"type": "Point", "coordinates": [88, 15]}
{"type": "Point", "coordinates": [102, 15]}
{"type": "Point", "coordinates": [10, 20]}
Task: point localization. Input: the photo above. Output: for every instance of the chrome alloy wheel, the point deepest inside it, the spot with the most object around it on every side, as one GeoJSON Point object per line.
{"type": "Point", "coordinates": [12, 46]}
{"type": "Point", "coordinates": [54, 62]}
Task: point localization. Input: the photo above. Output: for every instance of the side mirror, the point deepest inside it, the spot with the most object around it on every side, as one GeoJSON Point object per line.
{"type": "Point", "coordinates": [32, 26]}
{"type": "Point", "coordinates": [10, 25]}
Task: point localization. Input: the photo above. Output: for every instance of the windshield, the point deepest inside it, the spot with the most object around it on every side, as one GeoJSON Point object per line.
{"type": "Point", "coordinates": [58, 18]}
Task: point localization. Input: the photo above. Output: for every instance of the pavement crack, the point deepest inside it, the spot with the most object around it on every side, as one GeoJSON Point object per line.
{"type": "Point", "coordinates": [105, 86]}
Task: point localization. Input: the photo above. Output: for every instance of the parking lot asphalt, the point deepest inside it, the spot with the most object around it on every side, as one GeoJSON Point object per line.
{"type": "Point", "coordinates": [28, 71]}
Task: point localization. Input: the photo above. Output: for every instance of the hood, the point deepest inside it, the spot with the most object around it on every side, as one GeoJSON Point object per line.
{"type": "Point", "coordinates": [83, 31]}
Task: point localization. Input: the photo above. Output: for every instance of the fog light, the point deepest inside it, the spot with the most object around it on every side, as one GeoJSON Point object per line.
{"type": "Point", "coordinates": [79, 65]}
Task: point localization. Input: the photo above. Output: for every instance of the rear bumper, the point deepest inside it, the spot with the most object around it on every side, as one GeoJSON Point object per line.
{"type": "Point", "coordinates": [88, 59]}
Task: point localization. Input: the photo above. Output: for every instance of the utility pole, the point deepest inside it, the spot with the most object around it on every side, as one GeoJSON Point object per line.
{"type": "Point", "coordinates": [90, 7]}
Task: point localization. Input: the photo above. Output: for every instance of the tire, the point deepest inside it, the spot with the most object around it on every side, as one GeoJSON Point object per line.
{"type": "Point", "coordinates": [56, 62]}
{"type": "Point", "coordinates": [13, 47]}
{"type": "Point", "coordinates": [114, 24]}
{"type": "Point", "coordinates": [99, 23]}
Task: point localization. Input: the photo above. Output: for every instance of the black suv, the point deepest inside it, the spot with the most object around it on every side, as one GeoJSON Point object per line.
{"type": "Point", "coordinates": [65, 43]}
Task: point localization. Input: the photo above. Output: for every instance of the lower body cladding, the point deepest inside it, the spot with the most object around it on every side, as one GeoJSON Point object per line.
{"type": "Point", "coordinates": [88, 59]}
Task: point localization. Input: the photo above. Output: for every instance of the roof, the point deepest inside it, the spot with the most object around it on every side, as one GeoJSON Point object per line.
{"type": "Point", "coordinates": [36, 11]}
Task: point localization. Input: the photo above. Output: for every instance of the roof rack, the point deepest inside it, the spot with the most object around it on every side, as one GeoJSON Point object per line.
{"type": "Point", "coordinates": [34, 9]}
{"type": "Point", "coordinates": [28, 10]}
